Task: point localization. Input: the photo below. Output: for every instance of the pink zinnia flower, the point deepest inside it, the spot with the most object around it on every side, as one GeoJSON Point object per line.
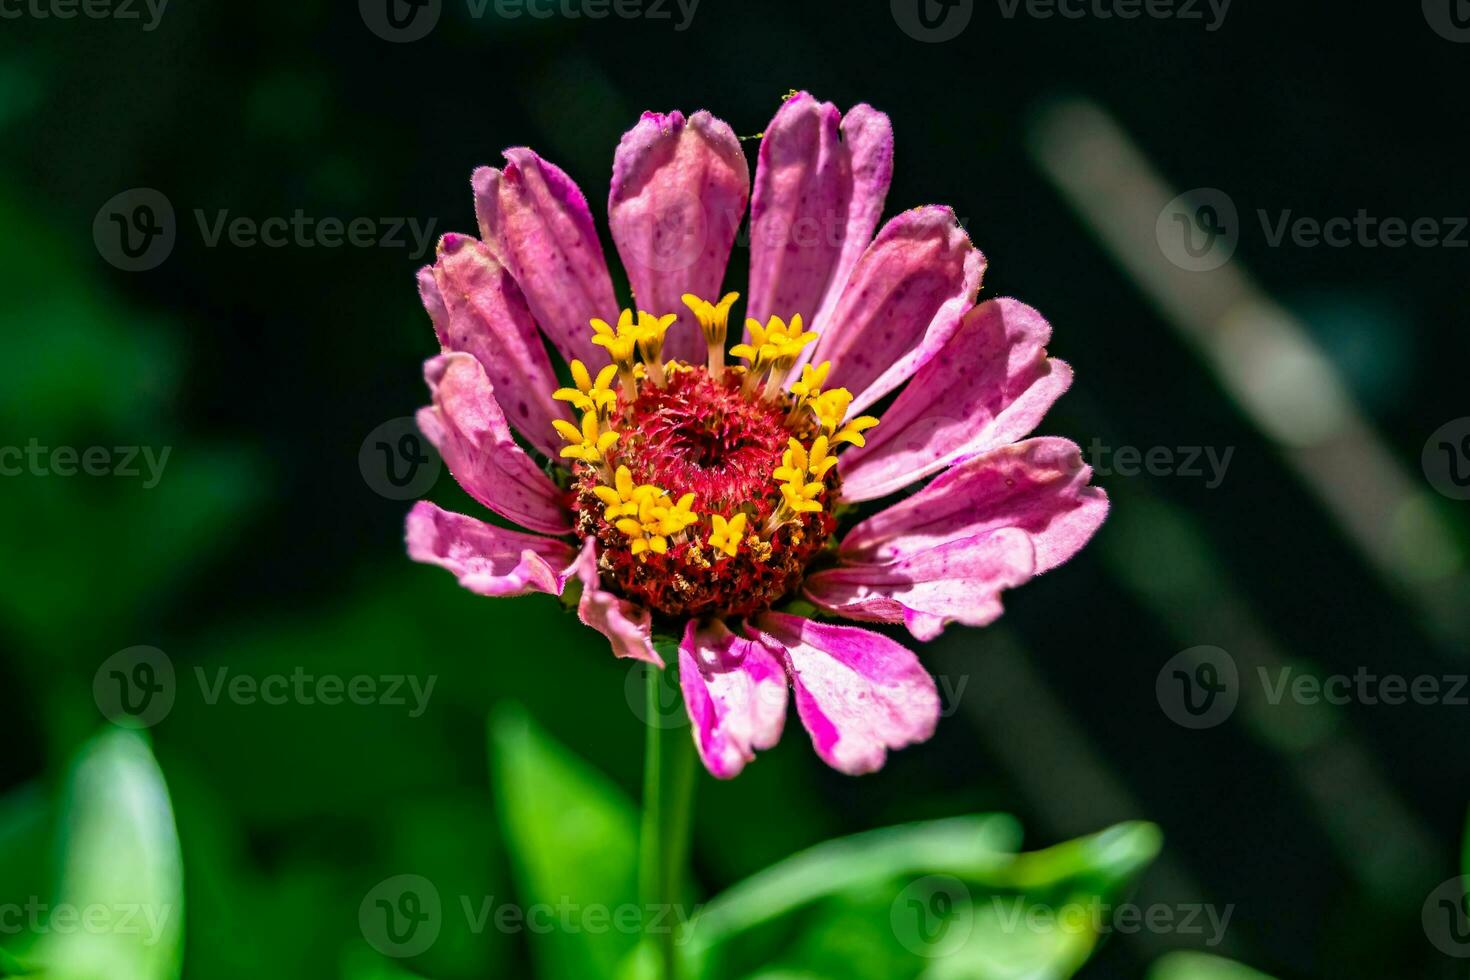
{"type": "Point", "coordinates": [701, 495]}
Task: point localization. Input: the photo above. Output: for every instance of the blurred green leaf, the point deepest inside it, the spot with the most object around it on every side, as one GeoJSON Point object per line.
{"type": "Point", "coordinates": [948, 899]}
{"type": "Point", "coordinates": [1201, 966]}
{"type": "Point", "coordinates": [119, 911]}
{"type": "Point", "coordinates": [573, 843]}
{"type": "Point", "coordinates": [970, 844]}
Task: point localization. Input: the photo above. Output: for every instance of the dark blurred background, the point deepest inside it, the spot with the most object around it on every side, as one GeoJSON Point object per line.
{"type": "Point", "coordinates": [1325, 370]}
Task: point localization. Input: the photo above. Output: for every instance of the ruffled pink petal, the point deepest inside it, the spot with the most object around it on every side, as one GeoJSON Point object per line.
{"type": "Point", "coordinates": [735, 692]}
{"type": "Point", "coordinates": [959, 581]}
{"type": "Point", "coordinates": [538, 225]}
{"type": "Point", "coordinates": [467, 426]}
{"type": "Point", "coordinates": [988, 386]}
{"type": "Point", "coordinates": [679, 189]}
{"type": "Point", "coordinates": [820, 182]}
{"type": "Point", "coordinates": [904, 300]}
{"type": "Point", "coordinates": [477, 308]}
{"type": "Point", "coordinates": [627, 625]}
{"type": "Point", "coordinates": [1039, 486]}
{"type": "Point", "coordinates": [858, 693]}
{"type": "Point", "coordinates": [489, 560]}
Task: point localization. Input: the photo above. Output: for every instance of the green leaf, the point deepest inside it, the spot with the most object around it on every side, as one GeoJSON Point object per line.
{"type": "Point", "coordinates": [120, 904]}
{"type": "Point", "coordinates": [573, 843]}
{"type": "Point", "coordinates": [1201, 966]}
{"type": "Point", "coordinates": [948, 899]}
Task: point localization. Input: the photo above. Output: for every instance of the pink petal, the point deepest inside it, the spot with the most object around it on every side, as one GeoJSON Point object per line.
{"type": "Point", "coordinates": [905, 298]}
{"type": "Point", "coordinates": [1039, 486]}
{"type": "Point", "coordinates": [538, 225]}
{"type": "Point", "coordinates": [467, 426]}
{"type": "Point", "coordinates": [859, 694]}
{"type": "Point", "coordinates": [679, 190]}
{"type": "Point", "coordinates": [735, 692]}
{"type": "Point", "coordinates": [987, 387]}
{"type": "Point", "coordinates": [820, 182]}
{"type": "Point", "coordinates": [489, 560]}
{"type": "Point", "coordinates": [627, 625]}
{"type": "Point", "coordinates": [484, 314]}
{"type": "Point", "coordinates": [958, 581]}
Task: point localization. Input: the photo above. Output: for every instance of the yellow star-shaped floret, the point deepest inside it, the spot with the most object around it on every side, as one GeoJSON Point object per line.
{"type": "Point", "coordinates": [714, 318]}
{"type": "Point", "coordinates": [727, 535]}
{"type": "Point", "coordinates": [812, 379]}
{"type": "Point", "coordinates": [623, 497]}
{"type": "Point", "coordinates": [589, 443]}
{"type": "Point", "coordinates": [831, 407]}
{"type": "Point", "coordinates": [618, 341]}
{"type": "Point", "coordinates": [590, 394]}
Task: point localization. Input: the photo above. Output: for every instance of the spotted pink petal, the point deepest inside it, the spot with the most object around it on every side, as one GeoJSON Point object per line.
{"type": "Point", "coordinates": [735, 693]}
{"type": "Point", "coordinates": [627, 625]}
{"type": "Point", "coordinates": [1039, 486]}
{"type": "Point", "coordinates": [484, 314]}
{"type": "Point", "coordinates": [904, 300]}
{"type": "Point", "coordinates": [467, 426]}
{"type": "Point", "coordinates": [988, 386]}
{"type": "Point", "coordinates": [537, 223]}
{"type": "Point", "coordinates": [488, 560]}
{"type": "Point", "coordinates": [679, 190]}
{"type": "Point", "coordinates": [858, 693]}
{"type": "Point", "coordinates": [820, 182]}
{"type": "Point", "coordinates": [957, 581]}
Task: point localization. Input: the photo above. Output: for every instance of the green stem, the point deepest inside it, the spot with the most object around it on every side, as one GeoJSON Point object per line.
{"type": "Point", "coordinates": [668, 796]}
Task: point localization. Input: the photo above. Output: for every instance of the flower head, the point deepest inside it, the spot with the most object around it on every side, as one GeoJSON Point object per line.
{"type": "Point", "coordinates": [699, 500]}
